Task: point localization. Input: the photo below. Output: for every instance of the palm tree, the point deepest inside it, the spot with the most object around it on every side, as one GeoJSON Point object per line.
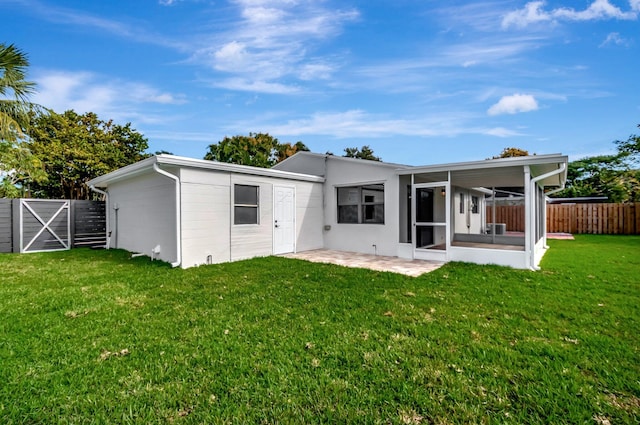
{"type": "Point", "coordinates": [18, 167]}
{"type": "Point", "coordinates": [14, 92]}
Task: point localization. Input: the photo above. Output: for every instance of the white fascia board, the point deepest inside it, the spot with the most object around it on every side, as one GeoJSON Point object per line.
{"type": "Point", "coordinates": [347, 159]}
{"type": "Point", "coordinates": [487, 164]}
{"type": "Point", "coordinates": [179, 161]}
{"type": "Point", "coordinates": [124, 172]}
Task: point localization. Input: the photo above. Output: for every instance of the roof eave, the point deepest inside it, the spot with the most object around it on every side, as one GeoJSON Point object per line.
{"type": "Point", "coordinates": [487, 164]}
{"type": "Point", "coordinates": [178, 161]}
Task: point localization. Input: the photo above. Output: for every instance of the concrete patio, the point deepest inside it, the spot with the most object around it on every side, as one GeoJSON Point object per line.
{"type": "Point", "coordinates": [381, 263]}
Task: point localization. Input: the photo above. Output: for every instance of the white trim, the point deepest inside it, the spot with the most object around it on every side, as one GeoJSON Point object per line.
{"type": "Point", "coordinates": [295, 214]}
{"type": "Point", "coordinates": [24, 203]}
{"type": "Point", "coordinates": [341, 158]}
{"type": "Point", "coordinates": [527, 216]}
{"type": "Point", "coordinates": [438, 255]}
{"type": "Point", "coordinates": [488, 164]}
{"type": "Point", "coordinates": [234, 205]}
{"type": "Point", "coordinates": [179, 161]}
{"type": "Point", "coordinates": [382, 182]}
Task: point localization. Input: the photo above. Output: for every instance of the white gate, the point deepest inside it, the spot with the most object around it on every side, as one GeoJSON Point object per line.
{"type": "Point", "coordinates": [44, 225]}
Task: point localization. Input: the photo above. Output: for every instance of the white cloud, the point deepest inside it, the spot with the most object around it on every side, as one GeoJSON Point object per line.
{"type": "Point", "coordinates": [533, 12]}
{"type": "Point", "coordinates": [599, 9]}
{"type": "Point", "coordinates": [88, 92]}
{"type": "Point", "coordinates": [514, 104]}
{"type": "Point", "coordinates": [262, 15]}
{"type": "Point", "coordinates": [270, 45]}
{"type": "Point", "coordinates": [615, 38]}
{"type": "Point", "coordinates": [530, 14]}
{"type": "Point", "coordinates": [243, 84]}
{"type": "Point", "coordinates": [68, 16]}
{"type": "Point", "coordinates": [501, 132]}
{"type": "Point", "coordinates": [357, 123]}
{"type": "Point", "coordinates": [315, 71]}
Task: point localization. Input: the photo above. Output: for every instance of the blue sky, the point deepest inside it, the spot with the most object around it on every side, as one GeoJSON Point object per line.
{"type": "Point", "coordinates": [419, 81]}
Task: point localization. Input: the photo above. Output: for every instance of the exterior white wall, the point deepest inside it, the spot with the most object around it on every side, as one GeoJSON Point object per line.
{"type": "Point", "coordinates": [361, 237]}
{"type": "Point", "coordinates": [309, 216]}
{"type": "Point", "coordinates": [254, 240]}
{"type": "Point", "coordinates": [501, 257]}
{"type": "Point", "coordinates": [207, 217]}
{"type": "Point", "coordinates": [539, 250]}
{"type": "Point", "coordinates": [475, 221]}
{"type": "Point", "coordinates": [146, 215]}
{"type": "Point", "coordinates": [404, 207]}
{"type": "Point", "coordinates": [206, 221]}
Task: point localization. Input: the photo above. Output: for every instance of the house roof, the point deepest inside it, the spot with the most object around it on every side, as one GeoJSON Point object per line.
{"type": "Point", "coordinates": [180, 161]}
{"type": "Point", "coordinates": [497, 172]}
{"type": "Point", "coordinates": [487, 173]}
{"type": "Point", "coordinates": [322, 156]}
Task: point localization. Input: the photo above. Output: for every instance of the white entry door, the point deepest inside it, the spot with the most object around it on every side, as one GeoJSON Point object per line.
{"type": "Point", "coordinates": [284, 213]}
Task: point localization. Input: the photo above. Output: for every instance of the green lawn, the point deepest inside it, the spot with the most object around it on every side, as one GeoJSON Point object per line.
{"type": "Point", "coordinates": [95, 337]}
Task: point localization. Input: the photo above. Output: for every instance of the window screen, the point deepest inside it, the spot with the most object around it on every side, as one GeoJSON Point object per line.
{"type": "Point", "coordinates": [245, 204]}
{"type": "Point", "coordinates": [361, 204]}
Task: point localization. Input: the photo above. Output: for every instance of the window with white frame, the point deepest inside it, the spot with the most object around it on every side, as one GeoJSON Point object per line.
{"type": "Point", "coordinates": [361, 204]}
{"type": "Point", "coordinates": [245, 204]}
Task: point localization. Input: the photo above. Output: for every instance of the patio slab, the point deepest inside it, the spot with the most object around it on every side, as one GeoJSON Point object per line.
{"type": "Point", "coordinates": [381, 263]}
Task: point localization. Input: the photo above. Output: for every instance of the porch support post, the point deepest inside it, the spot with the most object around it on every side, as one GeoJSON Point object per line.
{"type": "Point", "coordinates": [413, 216]}
{"type": "Point", "coordinates": [528, 205]}
{"type": "Point", "coordinates": [493, 215]}
{"type": "Point", "coordinates": [544, 219]}
{"type": "Point", "coordinates": [448, 215]}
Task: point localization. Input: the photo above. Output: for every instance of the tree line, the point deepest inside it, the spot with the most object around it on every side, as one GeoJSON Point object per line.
{"type": "Point", "coordinates": [52, 155]}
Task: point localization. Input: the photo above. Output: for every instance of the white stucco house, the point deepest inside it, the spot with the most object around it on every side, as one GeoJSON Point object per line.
{"type": "Point", "coordinates": [190, 212]}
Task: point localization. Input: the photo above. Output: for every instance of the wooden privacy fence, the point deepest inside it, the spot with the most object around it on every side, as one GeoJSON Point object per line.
{"type": "Point", "coordinates": [511, 215]}
{"type": "Point", "coordinates": [35, 225]}
{"type": "Point", "coordinates": [610, 219]}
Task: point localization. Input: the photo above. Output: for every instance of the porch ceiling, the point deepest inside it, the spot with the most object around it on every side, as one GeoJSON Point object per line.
{"type": "Point", "coordinates": [497, 177]}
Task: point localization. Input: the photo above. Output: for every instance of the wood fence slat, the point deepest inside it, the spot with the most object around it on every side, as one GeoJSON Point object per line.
{"type": "Point", "coordinates": [610, 219]}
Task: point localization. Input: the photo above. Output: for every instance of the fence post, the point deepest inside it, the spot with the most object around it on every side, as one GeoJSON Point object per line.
{"type": "Point", "coordinates": [72, 218]}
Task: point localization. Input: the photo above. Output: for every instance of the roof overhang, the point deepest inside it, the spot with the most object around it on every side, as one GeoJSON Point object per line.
{"type": "Point", "coordinates": [498, 172]}
{"type": "Point", "coordinates": [146, 165]}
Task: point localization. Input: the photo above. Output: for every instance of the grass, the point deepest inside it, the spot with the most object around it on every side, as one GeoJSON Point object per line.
{"type": "Point", "coordinates": [95, 337]}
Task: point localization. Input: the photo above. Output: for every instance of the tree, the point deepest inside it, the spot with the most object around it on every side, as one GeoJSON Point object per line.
{"type": "Point", "coordinates": [17, 166]}
{"type": "Point", "coordinates": [285, 150]}
{"type": "Point", "coordinates": [612, 176]}
{"type": "Point", "coordinates": [20, 168]}
{"type": "Point", "coordinates": [14, 92]}
{"type": "Point", "coordinates": [76, 148]}
{"type": "Point", "coordinates": [630, 148]}
{"type": "Point", "coordinates": [511, 153]}
{"type": "Point", "coordinates": [594, 176]}
{"type": "Point", "coordinates": [364, 152]}
{"type": "Point", "coordinates": [256, 149]}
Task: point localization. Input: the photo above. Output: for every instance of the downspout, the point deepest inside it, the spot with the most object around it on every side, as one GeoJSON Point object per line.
{"type": "Point", "coordinates": [106, 213]}
{"type": "Point", "coordinates": [178, 217]}
{"type": "Point", "coordinates": [533, 182]}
